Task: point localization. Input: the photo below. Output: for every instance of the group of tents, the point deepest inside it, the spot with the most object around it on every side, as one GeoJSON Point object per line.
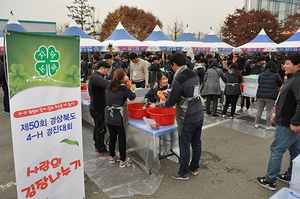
{"type": "Point", "coordinates": [121, 40]}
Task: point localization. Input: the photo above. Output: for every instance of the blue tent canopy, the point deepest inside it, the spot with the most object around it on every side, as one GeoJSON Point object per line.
{"type": "Point", "coordinates": [157, 35]}
{"type": "Point", "coordinates": [158, 41]}
{"type": "Point", "coordinates": [74, 30]}
{"type": "Point", "coordinates": [87, 43]}
{"type": "Point", "coordinates": [121, 34]}
{"type": "Point", "coordinates": [13, 24]}
{"type": "Point", "coordinates": [212, 38]}
{"type": "Point", "coordinates": [187, 37]}
{"type": "Point", "coordinates": [295, 37]}
{"type": "Point", "coordinates": [261, 38]}
{"type": "Point", "coordinates": [189, 41]}
{"type": "Point", "coordinates": [290, 45]}
{"type": "Point", "coordinates": [121, 40]}
{"type": "Point", "coordinates": [212, 42]}
{"type": "Point", "coordinates": [260, 43]}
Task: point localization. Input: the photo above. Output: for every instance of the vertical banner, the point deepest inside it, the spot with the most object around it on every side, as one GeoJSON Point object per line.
{"type": "Point", "coordinates": [45, 111]}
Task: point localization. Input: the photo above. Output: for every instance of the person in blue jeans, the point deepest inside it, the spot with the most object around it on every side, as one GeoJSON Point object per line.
{"type": "Point", "coordinates": [287, 132]}
{"type": "Point", "coordinates": [185, 93]}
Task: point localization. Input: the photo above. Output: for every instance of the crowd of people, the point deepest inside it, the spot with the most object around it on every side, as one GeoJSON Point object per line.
{"type": "Point", "coordinates": [143, 70]}
{"type": "Point", "coordinates": [183, 80]}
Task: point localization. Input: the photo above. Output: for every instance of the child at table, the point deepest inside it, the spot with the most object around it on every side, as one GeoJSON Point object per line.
{"type": "Point", "coordinates": [160, 85]}
{"type": "Point", "coordinates": [116, 95]}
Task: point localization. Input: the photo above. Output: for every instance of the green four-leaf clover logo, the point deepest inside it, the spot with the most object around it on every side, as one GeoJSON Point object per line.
{"type": "Point", "coordinates": [47, 61]}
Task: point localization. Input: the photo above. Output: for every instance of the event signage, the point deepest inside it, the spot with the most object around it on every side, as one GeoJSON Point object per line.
{"type": "Point", "coordinates": [126, 48]}
{"type": "Point", "coordinates": [224, 49]}
{"type": "Point", "coordinates": [254, 49]}
{"type": "Point", "coordinates": [166, 48]}
{"type": "Point", "coordinates": [202, 49]}
{"type": "Point", "coordinates": [44, 90]}
{"type": "Point", "coordinates": [132, 48]}
{"type": "Point", "coordinates": [91, 48]}
{"type": "Point", "coordinates": [290, 49]}
{"type": "Point", "coordinates": [250, 85]}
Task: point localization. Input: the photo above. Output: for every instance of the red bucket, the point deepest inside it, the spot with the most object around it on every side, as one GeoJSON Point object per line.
{"type": "Point", "coordinates": [136, 111]}
{"type": "Point", "coordinates": [163, 116]}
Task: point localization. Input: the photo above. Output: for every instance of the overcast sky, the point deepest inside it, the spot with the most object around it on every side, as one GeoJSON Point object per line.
{"type": "Point", "coordinates": [200, 15]}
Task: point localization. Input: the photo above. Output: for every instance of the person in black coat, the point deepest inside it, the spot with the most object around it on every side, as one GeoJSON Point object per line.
{"type": "Point", "coordinates": [200, 67]}
{"type": "Point", "coordinates": [258, 67]}
{"type": "Point", "coordinates": [241, 62]}
{"type": "Point", "coordinates": [210, 59]}
{"type": "Point", "coordinates": [281, 71]}
{"type": "Point", "coordinates": [233, 78]}
{"type": "Point", "coordinates": [96, 87]}
{"type": "Point", "coordinates": [153, 70]}
{"type": "Point", "coordinates": [116, 96]}
{"type": "Point", "coordinates": [246, 72]}
{"type": "Point", "coordinates": [3, 82]}
{"type": "Point", "coordinates": [169, 70]}
{"type": "Point", "coordinates": [266, 55]}
{"type": "Point", "coordinates": [125, 63]}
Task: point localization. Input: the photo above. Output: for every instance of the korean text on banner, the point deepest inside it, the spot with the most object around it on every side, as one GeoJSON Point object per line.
{"type": "Point", "coordinates": [44, 90]}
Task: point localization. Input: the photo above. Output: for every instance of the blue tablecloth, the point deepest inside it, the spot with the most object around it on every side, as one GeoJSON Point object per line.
{"type": "Point", "coordinates": [140, 124]}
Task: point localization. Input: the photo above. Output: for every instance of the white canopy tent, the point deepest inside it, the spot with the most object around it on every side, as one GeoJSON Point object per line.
{"type": "Point", "coordinates": [261, 43]}
{"type": "Point", "coordinates": [158, 41]}
{"type": "Point", "coordinates": [212, 42]}
{"type": "Point", "coordinates": [12, 24]}
{"type": "Point", "coordinates": [290, 45]}
{"type": "Point", "coordinates": [189, 41]}
{"type": "Point", "coordinates": [87, 43]}
{"type": "Point", "coordinates": [121, 40]}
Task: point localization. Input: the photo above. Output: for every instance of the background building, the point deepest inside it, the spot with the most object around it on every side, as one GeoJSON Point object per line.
{"type": "Point", "coordinates": [282, 7]}
{"type": "Point", "coordinates": [34, 26]}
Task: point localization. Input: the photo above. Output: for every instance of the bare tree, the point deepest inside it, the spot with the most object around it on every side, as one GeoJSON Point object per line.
{"type": "Point", "coordinates": [61, 27]}
{"type": "Point", "coordinates": [175, 30]}
{"type": "Point", "coordinates": [218, 29]}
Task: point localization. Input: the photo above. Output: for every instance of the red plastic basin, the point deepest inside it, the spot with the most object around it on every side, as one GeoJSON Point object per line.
{"type": "Point", "coordinates": [136, 111]}
{"type": "Point", "coordinates": [163, 116]}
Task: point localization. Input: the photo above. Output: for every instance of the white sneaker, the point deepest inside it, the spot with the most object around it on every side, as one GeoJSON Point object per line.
{"type": "Point", "coordinates": [240, 111]}
{"type": "Point", "coordinates": [246, 112]}
{"type": "Point", "coordinates": [257, 126]}
{"type": "Point", "coordinates": [270, 128]}
{"type": "Point", "coordinates": [223, 116]}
